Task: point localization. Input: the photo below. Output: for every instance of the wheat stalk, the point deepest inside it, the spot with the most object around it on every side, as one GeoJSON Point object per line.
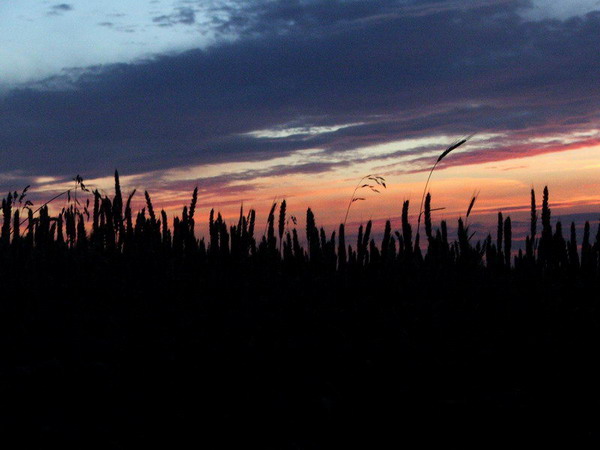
{"type": "Point", "coordinates": [380, 181]}
{"type": "Point", "coordinates": [445, 153]}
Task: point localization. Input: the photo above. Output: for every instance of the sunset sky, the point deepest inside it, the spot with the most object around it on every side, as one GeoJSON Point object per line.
{"type": "Point", "coordinates": [260, 100]}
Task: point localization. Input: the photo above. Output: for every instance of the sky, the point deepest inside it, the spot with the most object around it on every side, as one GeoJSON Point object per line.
{"type": "Point", "coordinates": [255, 101]}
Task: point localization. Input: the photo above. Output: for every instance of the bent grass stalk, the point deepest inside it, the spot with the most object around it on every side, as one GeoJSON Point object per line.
{"type": "Point", "coordinates": [445, 153]}
{"type": "Point", "coordinates": [78, 185]}
{"type": "Point", "coordinates": [380, 181]}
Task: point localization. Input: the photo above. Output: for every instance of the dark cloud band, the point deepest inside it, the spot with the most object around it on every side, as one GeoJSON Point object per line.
{"type": "Point", "coordinates": [399, 69]}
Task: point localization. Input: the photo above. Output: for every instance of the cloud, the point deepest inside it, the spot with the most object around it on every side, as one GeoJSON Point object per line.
{"type": "Point", "coordinates": [252, 17]}
{"type": "Point", "coordinates": [544, 9]}
{"type": "Point", "coordinates": [393, 70]}
{"type": "Point", "coordinates": [59, 9]}
{"type": "Point", "coordinates": [184, 16]}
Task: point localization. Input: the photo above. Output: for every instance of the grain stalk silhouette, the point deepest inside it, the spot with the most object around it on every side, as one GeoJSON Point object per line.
{"type": "Point", "coordinates": [445, 153]}
{"type": "Point", "coordinates": [115, 229]}
{"type": "Point", "coordinates": [79, 184]}
{"type": "Point", "coordinates": [192, 311]}
{"type": "Point", "coordinates": [378, 180]}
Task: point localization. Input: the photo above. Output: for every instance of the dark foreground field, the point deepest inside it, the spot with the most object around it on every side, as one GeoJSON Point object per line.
{"type": "Point", "coordinates": [296, 362]}
{"type": "Point", "coordinates": [126, 336]}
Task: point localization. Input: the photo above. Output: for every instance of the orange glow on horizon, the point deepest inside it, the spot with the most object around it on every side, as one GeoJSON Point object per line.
{"type": "Point", "coordinates": [573, 177]}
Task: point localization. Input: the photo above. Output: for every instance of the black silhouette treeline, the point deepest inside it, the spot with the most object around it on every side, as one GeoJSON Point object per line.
{"type": "Point", "coordinates": [120, 330]}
